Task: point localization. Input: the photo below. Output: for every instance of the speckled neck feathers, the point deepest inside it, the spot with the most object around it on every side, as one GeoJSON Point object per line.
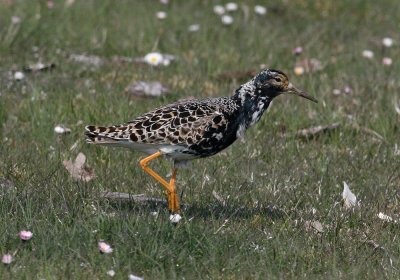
{"type": "Point", "coordinates": [252, 105]}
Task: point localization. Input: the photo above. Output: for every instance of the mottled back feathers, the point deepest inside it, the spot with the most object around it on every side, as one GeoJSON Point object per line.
{"type": "Point", "coordinates": [189, 123]}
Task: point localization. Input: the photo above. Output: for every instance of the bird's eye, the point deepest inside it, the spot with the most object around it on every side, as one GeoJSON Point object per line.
{"type": "Point", "coordinates": [278, 80]}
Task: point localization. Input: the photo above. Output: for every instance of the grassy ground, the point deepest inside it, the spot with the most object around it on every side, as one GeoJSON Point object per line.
{"type": "Point", "coordinates": [271, 183]}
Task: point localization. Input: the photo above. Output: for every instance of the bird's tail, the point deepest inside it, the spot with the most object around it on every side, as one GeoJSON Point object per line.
{"type": "Point", "coordinates": [99, 135]}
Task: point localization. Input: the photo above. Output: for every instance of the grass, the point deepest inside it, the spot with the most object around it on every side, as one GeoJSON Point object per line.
{"type": "Point", "coordinates": [270, 183]}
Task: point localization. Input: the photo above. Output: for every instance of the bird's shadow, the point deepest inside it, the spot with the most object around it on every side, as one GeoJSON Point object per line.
{"type": "Point", "coordinates": [220, 211]}
{"type": "Point", "coordinates": [205, 211]}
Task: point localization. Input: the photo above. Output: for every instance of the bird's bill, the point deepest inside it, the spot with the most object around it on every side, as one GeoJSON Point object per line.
{"type": "Point", "coordinates": [296, 91]}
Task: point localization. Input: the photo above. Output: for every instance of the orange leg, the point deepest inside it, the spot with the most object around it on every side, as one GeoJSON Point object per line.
{"type": "Point", "coordinates": [173, 203]}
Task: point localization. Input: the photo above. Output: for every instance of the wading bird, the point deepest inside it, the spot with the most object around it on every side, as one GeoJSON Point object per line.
{"type": "Point", "coordinates": [190, 129]}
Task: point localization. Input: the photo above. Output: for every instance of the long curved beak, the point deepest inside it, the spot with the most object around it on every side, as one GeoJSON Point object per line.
{"type": "Point", "coordinates": [296, 91]}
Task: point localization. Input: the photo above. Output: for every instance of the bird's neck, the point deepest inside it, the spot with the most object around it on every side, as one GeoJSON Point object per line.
{"type": "Point", "coordinates": [251, 106]}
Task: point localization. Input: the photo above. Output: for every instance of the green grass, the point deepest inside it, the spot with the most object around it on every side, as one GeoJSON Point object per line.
{"type": "Point", "coordinates": [270, 183]}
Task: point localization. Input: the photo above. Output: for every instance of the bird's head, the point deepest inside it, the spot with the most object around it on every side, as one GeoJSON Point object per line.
{"type": "Point", "coordinates": [271, 83]}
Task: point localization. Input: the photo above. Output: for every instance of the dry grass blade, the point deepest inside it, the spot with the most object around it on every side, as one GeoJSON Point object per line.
{"type": "Point", "coordinates": [94, 60]}
{"type": "Point", "coordinates": [130, 197]}
{"type": "Point", "coordinates": [219, 198]}
{"type": "Point", "coordinates": [77, 170]}
{"type": "Point", "coordinates": [38, 67]}
{"type": "Point", "coordinates": [371, 132]}
{"type": "Point", "coordinates": [312, 132]}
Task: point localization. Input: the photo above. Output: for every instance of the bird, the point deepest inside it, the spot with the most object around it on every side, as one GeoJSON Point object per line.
{"type": "Point", "coordinates": [195, 128]}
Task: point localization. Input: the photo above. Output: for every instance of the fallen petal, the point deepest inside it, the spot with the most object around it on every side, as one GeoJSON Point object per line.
{"type": "Point", "coordinates": [387, 61]}
{"type": "Point", "coordinates": [175, 218]}
{"type": "Point", "coordinates": [161, 15]}
{"type": "Point", "coordinates": [350, 200]}
{"type": "Point", "coordinates": [25, 235]}
{"type": "Point", "coordinates": [297, 50]}
{"type": "Point", "coordinates": [231, 6]}
{"type": "Point", "coordinates": [347, 90]}
{"type": "Point", "coordinates": [6, 259]}
{"type": "Point", "coordinates": [77, 170]}
{"type": "Point", "coordinates": [194, 28]}
{"type": "Point", "coordinates": [227, 19]}
{"type": "Point", "coordinates": [368, 54]}
{"type": "Point", "coordinates": [260, 10]}
{"type": "Point", "coordinates": [219, 10]}
{"type": "Point", "coordinates": [104, 248]}
{"type": "Point", "coordinates": [134, 277]}
{"type": "Point", "coordinates": [397, 107]}
{"type": "Point", "coordinates": [111, 273]}
{"type": "Point", "coordinates": [60, 129]}
{"type": "Point", "coordinates": [387, 42]}
{"type": "Point", "coordinates": [19, 76]}
{"type": "Point", "coordinates": [384, 217]}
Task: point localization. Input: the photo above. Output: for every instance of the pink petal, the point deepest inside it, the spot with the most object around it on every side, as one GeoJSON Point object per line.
{"type": "Point", "coordinates": [25, 235]}
{"type": "Point", "coordinates": [7, 259]}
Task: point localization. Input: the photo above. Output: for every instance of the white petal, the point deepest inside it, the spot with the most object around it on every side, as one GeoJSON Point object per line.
{"type": "Point", "coordinates": [15, 19]}
{"type": "Point", "coordinates": [111, 273]}
{"type": "Point", "coordinates": [260, 10]}
{"type": "Point", "coordinates": [175, 218]}
{"type": "Point", "coordinates": [336, 91]}
{"type": "Point", "coordinates": [194, 28]}
{"type": "Point", "coordinates": [368, 54]}
{"type": "Point", "coordinates": [387, 42]}
{"type": "Point", "coordinates": [226, 19]}
{"type": "Point", "coordinates": [19, 76]}
{"type": "Point", "coordinates": [60, 129]}
{"type": "Point", "coordinates": [161, 15]}
{"type": "Point", "coordinates": [231, 6]}
{"type": "Point", "coordinates": [397, 108]}
{"type": "Point", "coordinates": [134, 277]}
{"type": "Point", "coordinates": [384, 217]}
{"type": "Point", "coordinates": [219, 10]}
{"type": "Point", "coordinates": [350, 200]}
